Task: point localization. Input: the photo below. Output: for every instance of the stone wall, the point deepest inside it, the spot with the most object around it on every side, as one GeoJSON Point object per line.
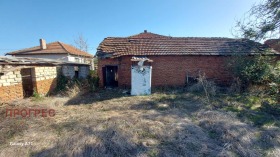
{"type": "Point", "coordinates": [43, 73]}
{"type": "Point", "coordinates": [10, 86]}
{"type": "Point", "coordinates": [10, 78]}
{"type": "Point", "coordinates": [44, 79]}
{"type": "Point", "coordinates": [68, 71]}
{"type": "Point", "coordinates": [83, 71]}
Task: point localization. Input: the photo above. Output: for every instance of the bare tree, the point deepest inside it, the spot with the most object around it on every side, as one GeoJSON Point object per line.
{"type": "Point", "coordinates": [262, 21]}
{"type": "Point", "coordinates": [81, 43]}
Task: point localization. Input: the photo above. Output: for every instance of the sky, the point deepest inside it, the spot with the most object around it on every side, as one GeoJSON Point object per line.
{"type": "Point", "coordinates": [24, 22]}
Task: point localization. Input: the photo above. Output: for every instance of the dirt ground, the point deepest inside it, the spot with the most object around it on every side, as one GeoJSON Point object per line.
{"type": "Point", "coordinates": [112, 123]}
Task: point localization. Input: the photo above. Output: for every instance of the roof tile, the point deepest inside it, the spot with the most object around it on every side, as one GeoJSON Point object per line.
{"type": "Point", "coordinates": [154, 44]}
{"type": "Point", "coordinates": [52, 48]}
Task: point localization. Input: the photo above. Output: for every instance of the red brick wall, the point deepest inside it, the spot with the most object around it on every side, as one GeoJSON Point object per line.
{"type": "Point", "coordinates": [45, 86]}
{"type": "Point", "coordinates": [13, 92]}
{"type": "Point", "coordinates": [171, 70]}
{"type": "Point", "coordinates": [103, 63]}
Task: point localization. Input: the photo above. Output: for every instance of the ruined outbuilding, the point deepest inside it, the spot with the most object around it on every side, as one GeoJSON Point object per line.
{"type": "Point", "coordinates": [20, 77]}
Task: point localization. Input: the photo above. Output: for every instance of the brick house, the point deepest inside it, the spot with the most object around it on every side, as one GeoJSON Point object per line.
{"type": "Point", "coordinates": [55, 50]}
{"type": "Point", "coordinates": [19, 77]}
{"type": "Point", "coordinates": [273, 43]}
{"type": "Point", "coordinates": [173, 59]}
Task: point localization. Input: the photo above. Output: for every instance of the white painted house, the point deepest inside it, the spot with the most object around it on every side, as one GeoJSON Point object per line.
{"type": "Point", "coordinates": [55, 50]}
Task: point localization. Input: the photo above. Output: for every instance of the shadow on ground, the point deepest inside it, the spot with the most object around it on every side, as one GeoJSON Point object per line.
{"type": "Point", "coordinates": [98, 96]}
{"type": "Point", "coordinates": [166, 125]}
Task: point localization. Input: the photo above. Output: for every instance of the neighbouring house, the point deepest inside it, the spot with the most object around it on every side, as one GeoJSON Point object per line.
{"type": "Point", "coordinates": [20, 77]}
{"type": "Point", "coordinates": [55, 50]}
{"type": "Point", "coordinates": [173, 59]}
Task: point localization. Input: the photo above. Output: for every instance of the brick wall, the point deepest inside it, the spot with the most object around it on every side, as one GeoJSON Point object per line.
{"type": "Point", "coordinates": [171, 70]}
{"type": "Point", "coordinates": [44, 79]}
{"type": "Point", "coordinates": [13, 92]}
{"type": "Point", "coordinates": [116, 62]}
{"type": "Point", "coordinates": [45, 86]}
{"type": "Point", "coordinates": [10, 86]}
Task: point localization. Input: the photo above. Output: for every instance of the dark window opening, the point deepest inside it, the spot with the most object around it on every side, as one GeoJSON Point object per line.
{"type": "Point", "coordinates": [76, 74]}
{"type": "Point", "coordinates": [76, 68]}
{"type": "Point", "coordinates": [110, 75]}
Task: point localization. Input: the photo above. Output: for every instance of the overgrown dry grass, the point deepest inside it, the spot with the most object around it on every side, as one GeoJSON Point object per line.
{"type": "Point", "coordinates": [111, 123]}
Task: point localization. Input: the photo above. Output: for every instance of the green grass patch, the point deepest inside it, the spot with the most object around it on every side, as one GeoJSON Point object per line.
{"type": "Point", "coordinates": [153, 153]}
{"type": "Point", "coordinates": [232, 109]}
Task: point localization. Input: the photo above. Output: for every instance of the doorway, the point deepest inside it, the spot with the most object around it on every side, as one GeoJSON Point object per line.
{"type": "Point", "coordinates": [110, 75]}
{"type": "Point", "coordinates": [27, 83]}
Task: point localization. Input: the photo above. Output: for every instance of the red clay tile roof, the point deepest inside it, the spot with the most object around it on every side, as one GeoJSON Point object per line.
{"type": "Point", "coordinates": [153, 44]}
{"type": "Point", "coordinates": [52, 48]}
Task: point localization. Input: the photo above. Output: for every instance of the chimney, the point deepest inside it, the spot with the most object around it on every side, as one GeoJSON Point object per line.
{"type": "Point", "coordinates": [145, 31]}
{"type": "Point", "coordinates": [43, 44]}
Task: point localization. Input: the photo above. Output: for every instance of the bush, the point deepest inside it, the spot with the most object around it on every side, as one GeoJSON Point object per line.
{"type": "Point", "coordinates": [93, 80]}
{"type": "Point", "coordinates": [36, 96]}
{"type": "Point", "coordinates": [203, 85]}
{"type": "Point", "coordinates": [62, 81]}
{"type": "Point", "coordinates": [252, 69]}
{"type": "Point", "coordinates": [235, 86]}
{"type": "Point", "coordinates": [72, 87]}
{"type": "Point", "coordinates": [256, 70]}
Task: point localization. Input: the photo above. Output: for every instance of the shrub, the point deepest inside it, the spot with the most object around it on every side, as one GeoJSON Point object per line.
{"type": "Point", "coordinates": [72, 87]}
{"type": "Point", "coordinates": [250, 69]}
{"type": "Point", "coordinates": [258, 69]}
{"type": "Point", "coordinates": [62, 81]}
{"type": "Point", "coordinates": [259, 74]}
{"type": "Point", "coordinates": [203, 85]}
{"type": "Point", "coordinates": [36, 96]}
{"type": "Point", "coordinates": [235, 86]}
{"type": "Point", "coordinates": [93, 80]}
